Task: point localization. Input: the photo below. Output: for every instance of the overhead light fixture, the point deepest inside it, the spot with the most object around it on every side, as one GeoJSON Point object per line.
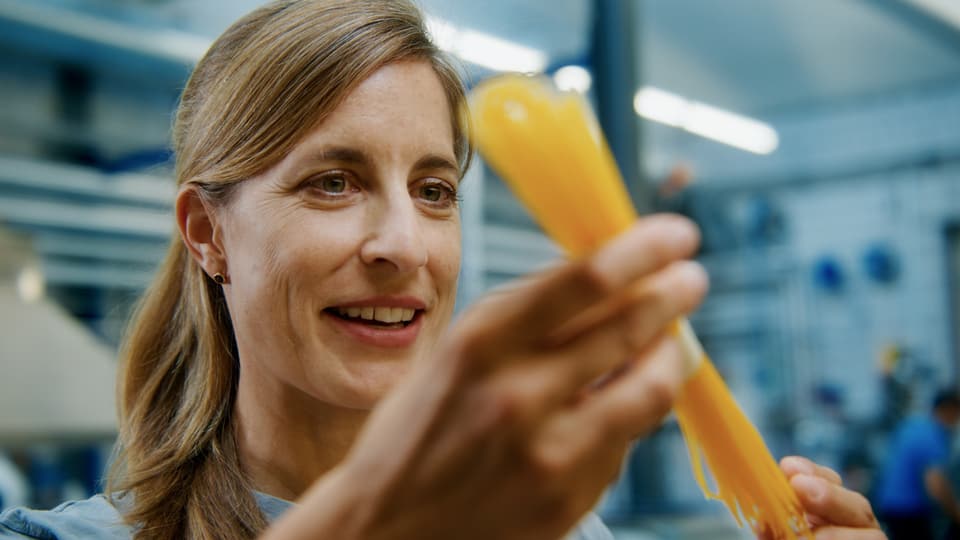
{"type": "Point", "coordinates": [484, 49]}
{"type": "Point", "coordinates": [30, 284]}
{"type": "Point", "coordinates": [946, 10]}
{"type": "Point", "coordinates": [573, 78]}
{"type": "Point", "coordinates": [477, 47]}
{"type": "Point", "coordinates": [705, 120]}
{"type": "Point", "coordinates": [168, 44]}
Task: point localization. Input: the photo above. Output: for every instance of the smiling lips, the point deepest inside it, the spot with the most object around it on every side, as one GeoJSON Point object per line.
{"type": "Point", "coordinates": [386, 315]}
{"type": "Point", "coordinates": [386, 326]}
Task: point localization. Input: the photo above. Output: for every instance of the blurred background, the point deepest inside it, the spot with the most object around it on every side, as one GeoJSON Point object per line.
{"type": "Point", "coordinates": [816, 142]}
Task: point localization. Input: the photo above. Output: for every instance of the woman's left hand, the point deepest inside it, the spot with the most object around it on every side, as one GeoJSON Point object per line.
{"type": "Point", "coordinates": [833, 511]}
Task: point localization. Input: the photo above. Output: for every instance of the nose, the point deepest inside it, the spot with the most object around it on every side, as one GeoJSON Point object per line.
{"type": "Point", "coordinates": [395, 237]}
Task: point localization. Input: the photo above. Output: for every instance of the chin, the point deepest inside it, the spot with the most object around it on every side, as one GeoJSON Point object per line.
{"type": "Point", "coordinates": [367, 387]}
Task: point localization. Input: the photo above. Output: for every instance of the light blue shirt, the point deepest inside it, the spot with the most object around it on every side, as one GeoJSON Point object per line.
{"type": "Point", "coordinates": [97, 518]}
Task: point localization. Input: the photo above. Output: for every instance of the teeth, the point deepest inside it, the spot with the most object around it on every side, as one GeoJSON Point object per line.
{"type": "Point", "coordinates": [383, 314]}
{"type": "Point", "coordinates": [387, 315]}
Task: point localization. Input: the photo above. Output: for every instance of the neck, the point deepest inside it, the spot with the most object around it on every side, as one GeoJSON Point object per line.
{"type": "Point", "coordinates": [287, 443]}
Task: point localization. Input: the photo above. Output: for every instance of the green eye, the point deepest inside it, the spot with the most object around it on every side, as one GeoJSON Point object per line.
{"type": "Point", "coordinates": [437, 194]}
{"type": "Point", "coordinates": [432, 193]}
{"type": "Point", "coordinates": [333, 184]}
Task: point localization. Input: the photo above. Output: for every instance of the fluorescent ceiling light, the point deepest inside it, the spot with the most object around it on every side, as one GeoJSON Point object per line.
{"type": "Point", "coordinates": [947, 10]}
{"type": "Point", "coordinates": [443, 33]}
{"type": "Point", "coordinates": [705, 120]}
{"type": "Point", "coordinates": [477, 47]}
{"type": "Point", "coordinates": [484, 49]}
{"type": "Point", "coordinates": [30, 284]}
{"type": "Point", "coordinates": [573, 78]}
{"type": "Point", "coordinates": [174, 45]}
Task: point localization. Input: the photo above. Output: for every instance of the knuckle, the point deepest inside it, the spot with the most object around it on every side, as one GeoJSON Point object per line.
{"type": "Point", "coordinates": [661, 249]}
{"type": "Point", "coordinates": [661, 391]}
{"type": "Point", "coordinates": [485, 414]}
{"type": "Point", "coordinates": [470, 345]}
{"type": "Point", "coordinates": [636, 339]}
{"type": "Point", "coordinates": [505, 408]}
{"type": "Point", "coordinates": [589, 279]}
{"type": "Point", "coordinates": [828, 473]}
{"type": "Point", "coordinates": [461, 365]}
{"type": "Point", "coordinates": [546, 467]}
{"type": "Point", "coordinates": [654, 305]}
{"type": "Point", "coordinates": [648, 314]}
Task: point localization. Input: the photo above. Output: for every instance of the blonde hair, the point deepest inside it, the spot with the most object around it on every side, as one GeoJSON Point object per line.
{"type": "Point", "coordinates": [263, 85]}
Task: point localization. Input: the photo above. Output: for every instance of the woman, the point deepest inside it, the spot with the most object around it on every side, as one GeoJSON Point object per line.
{"type": "Point", "coordinates": [319, 152]}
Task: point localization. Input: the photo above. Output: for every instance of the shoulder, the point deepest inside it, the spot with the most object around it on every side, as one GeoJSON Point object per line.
{"type": "Point", "coordinates": [591, 527]}
{"type": "Point", "coordinates": [95, 517]}
{"type": "Point", "coordinates": [917, 429]}
{"type": "Point", "coordinates": [929, 431]}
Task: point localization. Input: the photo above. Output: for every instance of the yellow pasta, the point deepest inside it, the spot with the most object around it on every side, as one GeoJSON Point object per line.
{"type": "Point", "coordinates": [548, 147]}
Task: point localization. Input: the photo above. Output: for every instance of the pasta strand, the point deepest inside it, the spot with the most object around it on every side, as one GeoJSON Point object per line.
{"type": "Point", "coordinates": [548, 147]}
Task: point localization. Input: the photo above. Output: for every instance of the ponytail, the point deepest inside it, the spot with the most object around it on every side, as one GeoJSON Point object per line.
{"type": "Point", "coordinates": [178, 466]}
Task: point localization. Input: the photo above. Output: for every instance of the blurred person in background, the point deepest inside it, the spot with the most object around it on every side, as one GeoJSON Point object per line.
{"type": "Point", "coordinates": [913, 482]}
{"type": "Point", "coordinates": [295, 346]}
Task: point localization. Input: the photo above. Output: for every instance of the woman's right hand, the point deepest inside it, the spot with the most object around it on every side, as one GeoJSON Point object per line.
{"type": "Point", "coordinates": [522, 417]}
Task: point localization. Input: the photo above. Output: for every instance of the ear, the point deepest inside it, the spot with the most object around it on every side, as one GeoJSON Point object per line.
{"type": "Point", "coordinates": [198, 229]}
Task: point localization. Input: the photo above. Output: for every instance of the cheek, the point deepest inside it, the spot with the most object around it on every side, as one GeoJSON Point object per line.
{"type": "Point", "coordinates": [314, 248]}
{"type": "Point", "coordinates": [445, 255]}
{"type": "Point", "coordinates": [284, 258]}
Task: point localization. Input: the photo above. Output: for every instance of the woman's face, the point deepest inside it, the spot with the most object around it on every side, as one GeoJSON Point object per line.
{"type": "Point", "coordinates": [343, 258]}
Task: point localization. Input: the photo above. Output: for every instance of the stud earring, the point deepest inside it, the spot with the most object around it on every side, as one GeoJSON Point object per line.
{"type": "Point", "coordinates": [218, 277]}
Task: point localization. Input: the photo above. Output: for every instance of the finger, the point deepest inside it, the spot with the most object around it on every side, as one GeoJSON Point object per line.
{"type": "Point", "coordinates": [665, 296]}
{"type": "Point", "coordinates": [832, 503]}
{"type": "Point", "coordinates": [600, 428]}
{"type": "Point", "coordinates": [676, 289]}
{"type": "Point", "coordinates": [564, 442]}
{"type": "Point", "coordinates": [511, 287]}
{"type": "Point", "coordinates": [662, 238]}
{"type": "Point", "coordinates": [848, 533]}
{"type": "Point", "coordinates": [794, 465]}
{"type": "Point", "coordinates": [636, 402]}
{"type": "Point", "coordinates": [531, 312]}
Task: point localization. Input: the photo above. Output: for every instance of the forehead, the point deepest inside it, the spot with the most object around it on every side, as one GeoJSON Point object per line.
{"type": "Point", "coordinates": [402, 103]}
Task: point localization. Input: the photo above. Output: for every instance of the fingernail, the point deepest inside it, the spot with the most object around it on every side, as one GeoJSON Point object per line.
{"type": "Point", "coordinates": [812, 486]}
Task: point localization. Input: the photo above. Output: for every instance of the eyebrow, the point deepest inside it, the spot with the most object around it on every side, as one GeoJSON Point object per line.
{"type": "Point", "coordinates": [345, 154]}
{"type": "Point", "coordinates": [436, 161]}
{"type": "Point", "coordinates": [341, 154]}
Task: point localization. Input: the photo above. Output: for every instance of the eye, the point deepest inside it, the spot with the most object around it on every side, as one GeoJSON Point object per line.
{"type": "Point", "coordinates": [436, 193]}
{"type": "Point", "coordinates": [432, 193]}
{"type": "Point", "coordinates": [333, 184]}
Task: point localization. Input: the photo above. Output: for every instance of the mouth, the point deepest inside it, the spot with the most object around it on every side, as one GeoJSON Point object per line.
{"type": "Point", "coordinates": [379, 317]}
